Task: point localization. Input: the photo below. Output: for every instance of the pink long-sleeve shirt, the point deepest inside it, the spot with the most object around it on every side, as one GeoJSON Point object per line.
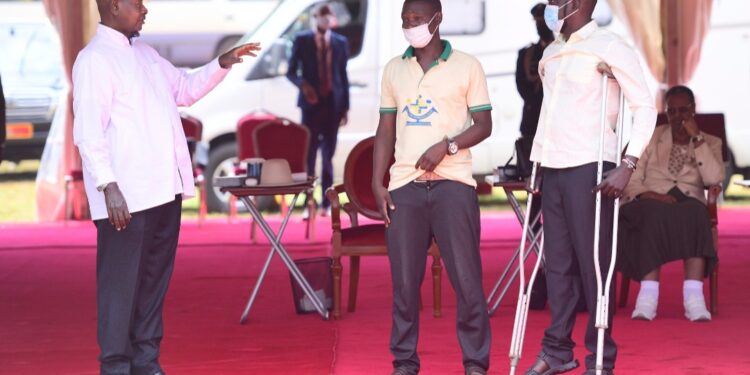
{"type": "Point", "coordinates": [126, 123]}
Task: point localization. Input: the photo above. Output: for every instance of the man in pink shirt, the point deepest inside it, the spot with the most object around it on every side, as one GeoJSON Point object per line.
{"type": "Point", "coordinates": [136, 172]}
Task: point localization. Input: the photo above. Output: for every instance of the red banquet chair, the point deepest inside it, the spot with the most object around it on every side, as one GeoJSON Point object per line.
{"type": "Point", "coordinates": [193, 129]}
{"type": "Point", "coordinates": [362, 240]}
{"type": "Point", "coordinates": [283, 139]}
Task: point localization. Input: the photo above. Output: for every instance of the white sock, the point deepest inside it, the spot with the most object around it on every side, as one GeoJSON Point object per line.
{"type": "Point", "coordinates": [649, 288]}
{"type": "Point", "coordinates": [692, 288]}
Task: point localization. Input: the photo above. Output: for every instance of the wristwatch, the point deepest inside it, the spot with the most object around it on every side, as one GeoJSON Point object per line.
{"type": "Point", "coordinates": [452, 146]}
{"type": "Point", "coordinates": [101, 187]}
{"type": "Point", "coordinates": [697, 138]}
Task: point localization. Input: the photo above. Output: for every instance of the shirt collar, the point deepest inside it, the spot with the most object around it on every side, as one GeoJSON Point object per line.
{"type": "Point", "coordinates": [447, 51]}
{"type": "Point", "coordinates": [326, 35]}
{"type": "Point", "coordinates": [583, 33]}
{"type": "Point", "coordinates": [112, 35]}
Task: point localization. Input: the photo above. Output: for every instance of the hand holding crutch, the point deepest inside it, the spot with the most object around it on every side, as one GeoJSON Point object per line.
{"type": "Point", "coordinates": [522, 307]}
{"type": "Point", "coordinates": [613, 186]}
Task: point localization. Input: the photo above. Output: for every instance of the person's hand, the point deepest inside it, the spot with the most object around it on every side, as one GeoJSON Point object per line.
{"type": "Point", "coordinates": [691, 127]}
{"type": "Point", "coordinates": [309, 93]}
{"type": "Point", "coordinates": [664, 198]}
{"type": "Point", "coordinates": [432, 157]}
{"type": "Point", "coordinates": [605, 69]}
{"type": "Point", "coordinates": [614, 182]}
{"type": "Point", "coordinates": [384, 201]}
{"type": "Point", "coordinates": [235, 54]}
{"type": "Point", "coordinates": [344, 119]}
{"type": "Point", "coordinates": [117, 208]}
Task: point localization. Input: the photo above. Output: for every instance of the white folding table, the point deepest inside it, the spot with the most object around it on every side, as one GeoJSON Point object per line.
{"type": "Point", "coordinates": [244, 194]}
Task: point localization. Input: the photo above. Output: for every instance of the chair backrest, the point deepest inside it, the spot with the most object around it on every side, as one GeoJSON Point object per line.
{"type": "Point", "coordinates": [245, 127]}
{"type": "Point", "coordinates": [358, 179]}
{"type": "Point", "coordinates": [193, 129]}
{"type": "Point", "coordinates": [283, 139]}
{"type": "Point", "coordinates": [709, 123]}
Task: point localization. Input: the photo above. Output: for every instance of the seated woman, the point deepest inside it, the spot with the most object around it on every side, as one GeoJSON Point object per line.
{"type": "Point", "coordinates": [664, 217]}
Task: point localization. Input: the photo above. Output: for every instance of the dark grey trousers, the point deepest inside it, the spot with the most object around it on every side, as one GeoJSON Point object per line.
{"type": "Point", "coordinates": [133, 268]}
{"type": "Point", "coordinates": [449, 212]}
{"type": "Point", "coordinates": [568, 208]}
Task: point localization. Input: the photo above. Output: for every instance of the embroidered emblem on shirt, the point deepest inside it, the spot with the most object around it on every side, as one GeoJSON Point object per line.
{"type": "Point", "coordinates": [419, 112]}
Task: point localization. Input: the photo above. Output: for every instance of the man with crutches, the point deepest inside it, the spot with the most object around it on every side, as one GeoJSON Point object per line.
{"type": "Point", "coordinates": [568, 149]}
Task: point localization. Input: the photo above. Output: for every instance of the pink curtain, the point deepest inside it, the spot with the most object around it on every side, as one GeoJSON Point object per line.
{"type": "Point", "coordinates": [669, 33]}
{"type": "Point", "coordinates": [73, 20]}
{"type": "Point", "coordinates": [686, 23]}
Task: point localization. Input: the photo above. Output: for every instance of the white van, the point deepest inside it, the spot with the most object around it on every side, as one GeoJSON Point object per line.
{"type": "Point", "coordinates": [192, 32]}
{"type": "Point", "coordinates": [491, 30]}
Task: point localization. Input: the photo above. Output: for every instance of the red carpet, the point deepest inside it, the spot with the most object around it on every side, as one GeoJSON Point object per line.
{"type": "Point", "coordinates": [47, 309]}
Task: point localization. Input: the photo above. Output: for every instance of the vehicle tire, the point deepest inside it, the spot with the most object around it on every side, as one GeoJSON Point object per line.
{"type": "Point", "coordinates": [227, 43]}
{"type": "Point", "coordinates": [221, 162]}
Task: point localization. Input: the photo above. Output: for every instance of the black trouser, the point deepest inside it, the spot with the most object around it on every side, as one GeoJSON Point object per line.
{"type": "Point", "coordinates": [323, 123]}
{"type": "Point", "coordinates": [568, 208]}
{"type": "Point", "coordinates": [449, 212]}
{"type": "Point", "coordinates": [133, 268]}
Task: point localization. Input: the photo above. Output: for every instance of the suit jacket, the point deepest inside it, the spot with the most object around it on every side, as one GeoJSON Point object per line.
{"type": "Point", "coordinates": [303, 67]}
{"type": "Point", "coordinates": [529, 86]}
{"type": "Point", "coordinates": [652, 172]}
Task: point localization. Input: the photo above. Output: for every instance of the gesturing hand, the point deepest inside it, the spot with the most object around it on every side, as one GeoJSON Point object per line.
{"type": "Point", "coordinates": [117, 208]}
{"type": "Point", "coordinates": [383, 198]}
{"type": "Point", "coordinates": [432, 157]}
{"type": "Point", "coordinates": [614, 182]}
{"type": "Point", "coordinates": [235, 54]}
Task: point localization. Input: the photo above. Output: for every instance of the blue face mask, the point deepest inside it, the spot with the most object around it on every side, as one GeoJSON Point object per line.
{"type": "Point", "coordinates": [552, 19]}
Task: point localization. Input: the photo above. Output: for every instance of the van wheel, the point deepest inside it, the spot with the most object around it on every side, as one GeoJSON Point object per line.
{"type": "Point", "coordinates": [221, 162]}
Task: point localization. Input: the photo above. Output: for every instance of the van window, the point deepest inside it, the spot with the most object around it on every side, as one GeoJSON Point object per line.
{"type": "Point", "coordinates": [351, 16]}
{"type": "Point", "coordinates": [463, 17]}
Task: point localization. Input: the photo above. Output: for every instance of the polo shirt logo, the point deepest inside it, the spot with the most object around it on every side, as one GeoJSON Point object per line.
{"type": "Point", "coordinates": [419, 112]}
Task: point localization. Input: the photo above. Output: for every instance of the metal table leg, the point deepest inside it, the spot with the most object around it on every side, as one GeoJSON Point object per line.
{"type": "Point", "coordinates": [276, 247]}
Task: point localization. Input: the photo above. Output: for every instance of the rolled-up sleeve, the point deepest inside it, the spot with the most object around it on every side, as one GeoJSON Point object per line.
{"type": "Point", "coordinates": [629, 74]}
{"type": "Point", "coordinates": [92, 104]}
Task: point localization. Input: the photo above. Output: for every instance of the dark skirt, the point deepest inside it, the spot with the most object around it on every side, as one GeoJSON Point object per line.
{"type": "Point", "coordinates": [653, 233]}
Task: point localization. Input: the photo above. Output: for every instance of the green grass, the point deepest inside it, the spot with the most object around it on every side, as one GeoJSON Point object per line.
{"type": "Point", "coordinates": [19, 203]}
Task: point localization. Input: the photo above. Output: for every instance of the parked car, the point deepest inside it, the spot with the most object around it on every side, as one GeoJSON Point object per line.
{"type": "Point", "coordinates": [33, 81]}
{"type": "Point", "coordinates": [191, 33]}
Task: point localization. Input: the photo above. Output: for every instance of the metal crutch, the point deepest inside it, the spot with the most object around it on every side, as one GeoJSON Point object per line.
{"type": "Point", "coordinates": [522, 307]}
{"type": "Point", "coordinates": [602, 301]}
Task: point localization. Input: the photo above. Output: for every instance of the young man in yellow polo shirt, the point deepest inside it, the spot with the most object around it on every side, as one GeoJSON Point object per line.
{"type": "Point", "coordinates": [431, 95]}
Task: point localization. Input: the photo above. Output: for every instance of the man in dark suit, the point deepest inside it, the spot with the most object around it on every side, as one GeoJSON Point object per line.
{"type": "Point", "coordinates": [318, 67]}
{"type": "Point", "coordinates": [528, 83]}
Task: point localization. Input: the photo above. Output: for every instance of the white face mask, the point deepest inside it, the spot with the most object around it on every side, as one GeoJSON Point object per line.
{"type": "Point", "coordinates": [552, 19]}
{"type": "Point", "coordinates": [420, 36]}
